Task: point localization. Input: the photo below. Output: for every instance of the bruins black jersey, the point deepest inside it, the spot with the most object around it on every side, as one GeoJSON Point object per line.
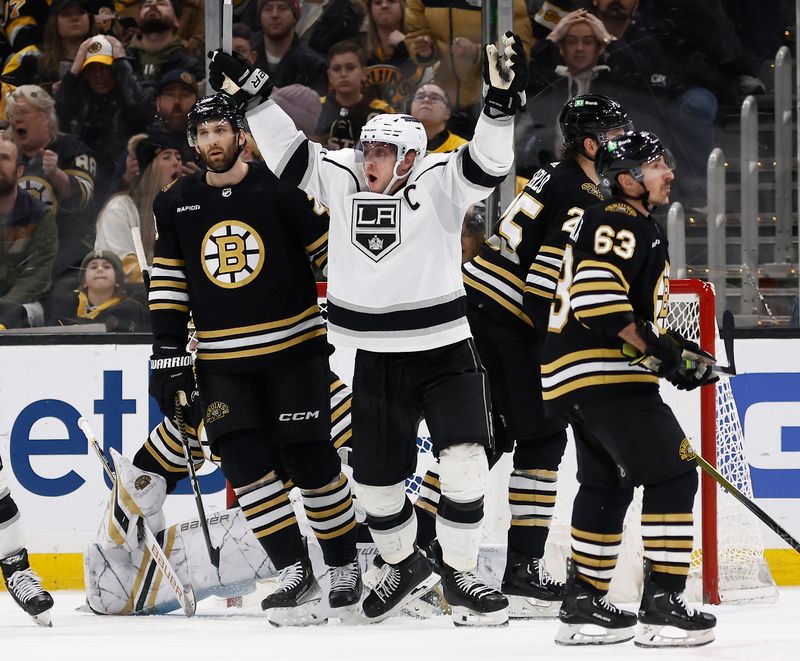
{"type": "Point", "coordinates": [237, 258]}
{"type": "Point", "coordinates": [542, 215]}
{"type": "Point", "coordinates": [615, 269]}
{"type": "Point", "coordinates": [340, 127]}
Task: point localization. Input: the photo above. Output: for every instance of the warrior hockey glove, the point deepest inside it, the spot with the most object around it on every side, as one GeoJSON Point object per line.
{"type": "Point", "coordinates": [170, 371]}
{"type": "Point", "coordinates": [247, 85]}
{"type": "Point", "coordinates": [506, 75]}
{"type": "Point", "coordinates": [662, 355]}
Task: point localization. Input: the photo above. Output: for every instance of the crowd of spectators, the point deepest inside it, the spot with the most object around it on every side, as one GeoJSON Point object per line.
{"type": "Point", "coordinates": [95, 97]}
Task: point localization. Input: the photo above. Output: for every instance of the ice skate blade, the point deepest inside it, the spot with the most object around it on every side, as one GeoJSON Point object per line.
{"type": "Point", "coordinates": [351, 615]}
{"type": "Point", "coordinates": [430, 604]}
{"type": "Point", "coordinates": [306, 614]}
{"type": "Point", "coordinates": [423, 587]}
{"type": "Point", "coordinates": [43, 619]}
{"type": "Point", "coordinates": [528, 608]}
{"type": "Point", "coordinates": [464, 617]}
{"type": "Point", "coordinates": [658, 635]}
{"type": "Point", "coordinates": [592, 634]}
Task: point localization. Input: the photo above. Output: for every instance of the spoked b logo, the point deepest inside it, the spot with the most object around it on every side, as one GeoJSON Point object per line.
{"type": "Point", "coordinates": [233, 254]}
{"type": "Point", "coordinates": [376, 227]}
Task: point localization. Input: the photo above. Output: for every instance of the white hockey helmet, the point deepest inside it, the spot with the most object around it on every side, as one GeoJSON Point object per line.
{"type": "Point", "coordinates": [404, 131]}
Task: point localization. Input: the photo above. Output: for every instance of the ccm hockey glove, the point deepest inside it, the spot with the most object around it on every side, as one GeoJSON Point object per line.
{"type": "Point", "coordinates": [247, 85]}
{"type": "Point", "coordinates": [506, 75]}
{"type": "Point", "coordinates": [170, 371]}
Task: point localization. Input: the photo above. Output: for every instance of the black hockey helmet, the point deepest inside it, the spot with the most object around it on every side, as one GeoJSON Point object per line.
{"type": "Point", "coordinates": [628, 153]}
{"type": "Point", "coordinates": [214, 106]}
{"type": "Point", "coordinates": [591, 115]}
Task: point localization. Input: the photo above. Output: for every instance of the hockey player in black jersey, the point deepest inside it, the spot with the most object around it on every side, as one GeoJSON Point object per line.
{"type": "Point", "coordinates": [24, 586]}
{"type": "Point", "coordinates": [528, 243]}
{"type": "Point", "coordinates": [232, 250]}
{"type": "Point", "coordinates": [395, 292]}
{"type": "Point", "coordinates": [610, 303]}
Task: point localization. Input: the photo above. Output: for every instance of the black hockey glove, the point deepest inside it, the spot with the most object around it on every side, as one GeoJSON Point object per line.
{"type": "Point", "coordinates": [170, 371]}
{"type": "Point", "coordinates": [662, 355]}
{"type": "Point", "coordinates": [506, 75]}
{"type": "Point", "coordinates": [247, 85]}
{"type": "Point", "coordinates": [696, 365]}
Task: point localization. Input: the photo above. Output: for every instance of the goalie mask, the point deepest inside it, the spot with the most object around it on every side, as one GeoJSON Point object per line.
{"type": "Point", "coordinates": [215, 107]}
{"type": "Point", "coordinates": [393, 135]}
{"type": "Point", "coordinates": [627, 154]}
{"type": "Point", "coordinates": [591, 116]}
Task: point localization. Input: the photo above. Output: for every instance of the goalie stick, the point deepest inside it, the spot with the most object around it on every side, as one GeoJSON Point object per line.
{"type": "Point", "coordinates": [762, 516]}
{"type": "Point", "coordinates": [180, 402]}
{"type": "Point", "coordinates": [183, 593]}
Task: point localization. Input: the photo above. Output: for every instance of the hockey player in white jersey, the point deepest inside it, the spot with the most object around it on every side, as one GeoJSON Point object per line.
{"type": "Point", "coordinates": [395, 292]}
{"type": "Point", "coordinates": [25, 586]}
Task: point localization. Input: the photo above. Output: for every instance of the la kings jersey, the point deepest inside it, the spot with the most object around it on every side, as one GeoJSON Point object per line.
{"type": "Point", "coordinates": [530, 236]}
{"type": "Point", "coordinates": [238, 259]}
{"type": "Point", "coordinates": [394, 277]}
{"type": "Point", "coordinates": [615, 269]}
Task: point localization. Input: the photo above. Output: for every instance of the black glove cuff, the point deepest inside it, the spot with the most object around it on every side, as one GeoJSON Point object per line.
{"type": "Point", "coordinates": [499, 102]}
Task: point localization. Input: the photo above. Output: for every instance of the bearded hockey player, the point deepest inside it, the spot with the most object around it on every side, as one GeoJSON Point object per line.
{"type": "Point", "coordinates": [395, 293]}
{"type": "Point", "coordinates": [611, 302]}
{"type": "Point", "coordinates": [232, 251]}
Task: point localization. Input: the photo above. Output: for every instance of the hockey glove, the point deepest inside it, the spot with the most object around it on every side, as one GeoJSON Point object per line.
{"type": "Point", "coordinates": [506, 75]}
{"type": "Point", "coordinates": [696, 365]}
{"type": "Point", "coordinates": [662, 355]}
{"type": "Point", "coordinates": [247, 85]}
{"type": "Point", "coordinates": [170, 371]}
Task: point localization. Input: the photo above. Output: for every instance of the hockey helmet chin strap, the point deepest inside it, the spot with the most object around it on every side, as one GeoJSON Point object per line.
{"type": "Point", "coordinates": [396, 176]}
{"type": "Point", "coordinates": [643, 197]}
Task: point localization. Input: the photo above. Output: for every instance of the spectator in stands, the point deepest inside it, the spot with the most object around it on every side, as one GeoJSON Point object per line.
{"type": "Point", "coordinates": [59, 170]}
{"type": "Point", "coordinates": [100, 101]}
{"type": "Point", "coordinates": [301, 104]}
{"type": "Point", "coordinates": [242, 42]}
{"type": "Point", "coordinates": [21, 68]}
{"type": "Point", "coordinates": [177, 93]}
{"type": "Point", "coordinates": [158, 48]}
{"type": "Point", "coordinates": [448, 33]}
{"type": "Point", "coordinates": [323, 23]}
{"type": "Point", "coordinates": [391, 72]}
{"type": "Point", "coordinates": [101, 298]}
{"type": "Point", "coordinates": [346, 109]}
{"type": "Point", "coordinates": [70, 23]}
{"type": "Point", "coordinates": [28, 244]}
{"type": "Point", "coordinates": [281, 53]}
{"type": "Point", "coordinates": [159, 158]}
{"type": "Point", "coordinates": [432, 107]}
{"type": "Point", "coordinates": [473, 235]}
{"type": "Point", "coordinates": [546, 14]}
{"type": "Point", "coordinates": [669, 101]}
{"type": "Point", "coordinates": [192, 27]}
{"type": "Point", "coordinates": [23, 23]}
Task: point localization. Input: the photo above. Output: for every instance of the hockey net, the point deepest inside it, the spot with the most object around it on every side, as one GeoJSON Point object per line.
{"type": "Point", "coordinates": [728, 562]}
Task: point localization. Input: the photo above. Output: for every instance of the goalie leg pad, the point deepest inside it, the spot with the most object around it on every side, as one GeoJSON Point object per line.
{"type": "Point", "coordinates": [391, 519]}
{"type": "Point", "coordinates": [463, 474]}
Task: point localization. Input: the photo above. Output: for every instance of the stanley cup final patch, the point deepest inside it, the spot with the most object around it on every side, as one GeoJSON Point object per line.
{"type": "Point", "coordinates": [375, 226]}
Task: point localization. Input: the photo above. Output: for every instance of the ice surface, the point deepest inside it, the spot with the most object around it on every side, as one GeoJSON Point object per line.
{"type": "Point", "coordinates": [748, 632]}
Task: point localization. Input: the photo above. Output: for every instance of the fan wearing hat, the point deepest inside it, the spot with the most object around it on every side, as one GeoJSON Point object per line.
{"type": "Point", "coordinates": [176, 93]}
{"type": "Point", "coordinates": [69, 24]}
{"type": "Point", "coordinates": [101, 298]}
{"type": "Point", "coordinates": [159, 159]}
{"type": "Point", "coordinates": [99, 100]}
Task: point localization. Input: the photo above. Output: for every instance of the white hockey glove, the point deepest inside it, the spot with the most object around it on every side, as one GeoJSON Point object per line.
{"type": "Point", "coordinates": [506, 75]}
{"type": "Point", "coordinates": [247, 85]}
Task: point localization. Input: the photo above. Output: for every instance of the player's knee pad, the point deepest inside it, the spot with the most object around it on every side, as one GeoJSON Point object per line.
{"type": "Point", "coordinates": [543, 452]}
{"type": "Point", "coordinates": [463, 472]}
{"type": "Point", "coordinates": [311, 465]}
{"type": "Point", "coordinates": [391, 519]}
{"type": "Point", "coordinates": [245, 457]}
{"type": "Point", "coordinates": [379, 502]}
{"type": "Point", "coordinates": [671, 496]}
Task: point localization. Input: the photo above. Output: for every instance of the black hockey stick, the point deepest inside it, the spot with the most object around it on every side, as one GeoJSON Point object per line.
{"type": "Point", "coordinates": [184, 593]}
{"type": "Point", "coordinates": [180, 402]}
{"type": "Point", "coordinates": [760, 514]}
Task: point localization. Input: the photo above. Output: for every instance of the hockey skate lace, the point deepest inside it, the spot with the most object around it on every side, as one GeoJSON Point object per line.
{"type": "Point", "coordinates": [544, 576]}
{"type": "Point", "coordinates": [25, 585]}
{"type": "Point", "coordinates": [681, 600]}
{"type": "Point", "coordinates": [345, 577]}
{"type": "Point", "coordinates": [605, 603]}
{"type": "Point", "coordinates": [387, 582]}
{"type": "Point", "coordinates": [291, 577]}
{"type": "Point", "coordinates": [472, 584]}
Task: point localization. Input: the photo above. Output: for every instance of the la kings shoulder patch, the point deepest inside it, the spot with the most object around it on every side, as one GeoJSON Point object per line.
{"type": "Point", "coordinates": [375, 226]}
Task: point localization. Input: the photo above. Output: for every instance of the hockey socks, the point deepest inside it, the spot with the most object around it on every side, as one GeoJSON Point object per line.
{"type": "Point", "coordinates": [332, 517]}
{"type": "Point", "coordinates": [532, 499]}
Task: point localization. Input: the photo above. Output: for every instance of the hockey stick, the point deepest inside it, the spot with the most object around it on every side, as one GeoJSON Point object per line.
{"type": "Point", "coordinates": [184, 593]}
{"type": "Point", "coordinates": [760, 514]}
{"type": "Point", "coordinates": [180, 402]}
{"type": "Point", "coordinates": [139, 249]}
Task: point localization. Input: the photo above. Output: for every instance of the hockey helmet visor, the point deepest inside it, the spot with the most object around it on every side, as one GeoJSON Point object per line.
{"type": "Point", "coordinates": [629, 153]}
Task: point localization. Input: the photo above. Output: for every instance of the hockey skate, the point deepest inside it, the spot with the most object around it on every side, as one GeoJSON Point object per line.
{"type": "Point", "coordinates": [428, 605]}
{"type": "Point", "coordinates": [26, 588]}
{"type": "Point", "coordinates": [666, 620]}
{"type": "Point", "coordinates": [532, 593]}
{"type": "Point", "coordinates": [296, 601]}
{"type": "Point", "coordinates": [345, 591]}
{"type": "Point", "coordinates": [589, 619]}
{"type": "Point", "coordinates": [398, 585]}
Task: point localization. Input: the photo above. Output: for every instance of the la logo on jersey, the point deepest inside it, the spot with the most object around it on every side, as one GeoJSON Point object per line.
{"type": "Point", "coordinates": [375, 229]}
{"type": "Point", "coordinates": [233, 254]}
